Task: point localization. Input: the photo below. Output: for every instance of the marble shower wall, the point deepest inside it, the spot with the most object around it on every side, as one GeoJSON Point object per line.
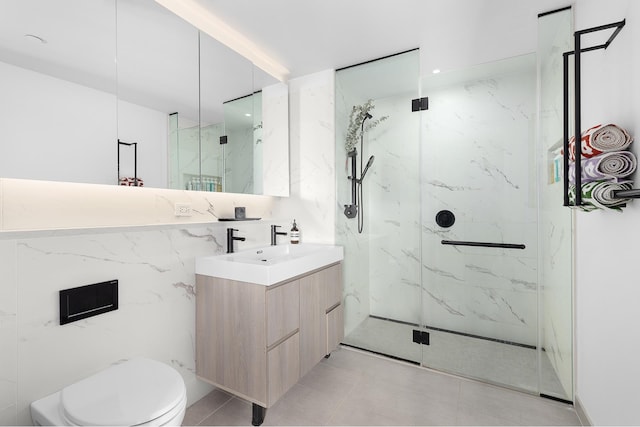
{"type": "Point", "coordinates": [392, 211]}
{"type": "Point", "coordinates": [355, 269]}
{"type": "Point", "coordinates": [382, 267]}
{"type": "Point", "coordinates": [478, 145]}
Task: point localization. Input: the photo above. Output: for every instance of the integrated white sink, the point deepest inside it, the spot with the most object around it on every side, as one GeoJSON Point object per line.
{"type": "Point", "coordinates": [270, 264]}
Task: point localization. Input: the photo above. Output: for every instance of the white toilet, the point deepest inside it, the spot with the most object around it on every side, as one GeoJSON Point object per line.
{"type": "Point", "coordinates": [135, 392]}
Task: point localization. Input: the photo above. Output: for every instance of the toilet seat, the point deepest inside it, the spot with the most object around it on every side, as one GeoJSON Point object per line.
{"type": "Point", "coordinates": [136, 392]}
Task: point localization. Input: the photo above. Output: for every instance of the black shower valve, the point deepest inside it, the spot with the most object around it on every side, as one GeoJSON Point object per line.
{"type": "Point", "coordinates": [350, 211]}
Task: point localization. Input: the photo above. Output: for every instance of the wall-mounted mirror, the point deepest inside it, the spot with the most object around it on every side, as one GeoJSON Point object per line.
{"type": "Point", "coordinates": [58, 85]}
{"type": "Point", "coordinates": [66, 104]}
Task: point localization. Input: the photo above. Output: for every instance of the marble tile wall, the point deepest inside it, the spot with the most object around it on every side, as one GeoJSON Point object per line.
{"type": "Point", "coordinates": [473, 153]}
{"type": "Point", "coordinates": [46, 205]}
{"type": "Point", "coordinates": [275, 167]}
{"type": "Point", "coordinates": [155, 269]}
{"type": "Point", "coordinates": [8, 333]}
{"type": "Point", "coordinates": [392, 211]}
{"type": "Point", "coordinates": [478, 162]}
{"type": "Point", "coordinates": [312, 164]}
{"type": "Point", "coordinates": [357, 298]}
{"type": "Point", "coordinates": [155, 318]}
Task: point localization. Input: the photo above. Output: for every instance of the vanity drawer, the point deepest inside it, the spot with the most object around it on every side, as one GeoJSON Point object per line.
{"type": "Point", "coordinates": [283, 363]}
{"type": "Point", "coordinates": [283, 311]}
{"type": "Point", "coordinates": [335, 328]}
{"type": "Point", "coordinates": [332, 278]}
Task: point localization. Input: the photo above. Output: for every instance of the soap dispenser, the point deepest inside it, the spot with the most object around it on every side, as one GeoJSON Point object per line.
{"type": "Point", "coordinates": [295, 234]}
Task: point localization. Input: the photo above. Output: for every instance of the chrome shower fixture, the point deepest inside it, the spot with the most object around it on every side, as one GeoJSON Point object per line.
{"type": "Point", "coordinates": [352, 211]}
{"type": "Point", "coordinates": [366, 168]}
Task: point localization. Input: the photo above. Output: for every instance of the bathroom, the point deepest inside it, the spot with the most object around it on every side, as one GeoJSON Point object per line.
{"type": "Point", "coordinates": [57, 235]}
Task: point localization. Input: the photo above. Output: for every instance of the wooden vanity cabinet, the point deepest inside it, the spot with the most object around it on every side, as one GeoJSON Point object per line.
{"type": "Point", "coordinates": [256, 341]}
{"type": "Point", "coordinates": [320, 296]}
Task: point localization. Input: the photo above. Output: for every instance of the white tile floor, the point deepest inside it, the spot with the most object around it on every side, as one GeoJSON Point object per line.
{"type": "Point", "coordinates": [357, 388]}
{"type": "Point", "coordinates": [496, 362]}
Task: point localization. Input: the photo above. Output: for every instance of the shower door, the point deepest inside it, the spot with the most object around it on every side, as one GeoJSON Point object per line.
{"type": "Point", "coordinates": [382, 263]}
{"type": "Point", "coordinates": [479, 272]}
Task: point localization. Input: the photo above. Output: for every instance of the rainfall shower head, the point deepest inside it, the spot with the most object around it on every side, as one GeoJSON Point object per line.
{"type": "Point", "coordinates": [366, 168]}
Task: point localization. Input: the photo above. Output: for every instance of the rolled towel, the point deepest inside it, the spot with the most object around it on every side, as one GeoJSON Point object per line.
{"type": "Point", "coordinates": [599, 195]}
{"type": "Point", "coordinates": [613, 165]}
{"type": "Point", "coordinates": [131, 182]}
{"type": "Point", "coordinates": [601, 139]}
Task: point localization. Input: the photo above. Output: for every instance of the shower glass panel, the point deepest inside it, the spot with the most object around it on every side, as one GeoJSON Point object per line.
{"type": "Point", "coordinates": [478, 162]}
{"type": "Point", "coordinates": [464, 238]}
{"type": "Point", "coordinates": [555, 36]}
{"type": "Point", "coordinates": [381, 264]}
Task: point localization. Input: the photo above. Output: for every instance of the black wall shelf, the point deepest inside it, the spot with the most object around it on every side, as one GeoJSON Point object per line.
{"type": "Point", "coordinates": [577, 52]}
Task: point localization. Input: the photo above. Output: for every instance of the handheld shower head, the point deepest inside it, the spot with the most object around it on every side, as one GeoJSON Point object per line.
{"type": "Point", "coordinates": [366, 168]}
{"type": "Point", "coordinates": [366, 116]}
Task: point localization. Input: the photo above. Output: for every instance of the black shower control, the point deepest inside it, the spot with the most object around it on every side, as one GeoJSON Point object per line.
{"type": "Point", "coordinates": [445, 218]}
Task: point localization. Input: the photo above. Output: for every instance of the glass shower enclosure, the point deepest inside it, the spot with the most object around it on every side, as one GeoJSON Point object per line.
{"type": "Point", "coordinates": [464, 260]}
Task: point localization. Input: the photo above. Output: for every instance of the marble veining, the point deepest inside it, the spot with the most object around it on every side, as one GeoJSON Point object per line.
{"type": "Point", "coordinates": [155, 316]}
{"type": "Point", "coordinates": [471, 146]}
{"type": "Point", "coordinates": [444, 304]}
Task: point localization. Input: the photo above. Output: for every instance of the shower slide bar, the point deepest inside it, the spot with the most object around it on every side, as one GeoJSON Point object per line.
{"type": "Point", "coordinates": [484, 244]}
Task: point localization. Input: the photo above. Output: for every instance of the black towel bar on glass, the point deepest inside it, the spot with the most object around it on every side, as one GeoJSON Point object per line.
{"type": "Point", "coordinates": [484, 244]}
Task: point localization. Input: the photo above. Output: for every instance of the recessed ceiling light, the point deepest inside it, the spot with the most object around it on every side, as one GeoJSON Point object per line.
{"type": "Point", "coordinates": [247, 114]}
{"type": "Point", "coordinates": [34, 37]}
{"type": "Point", "coordinates": [436, 71]}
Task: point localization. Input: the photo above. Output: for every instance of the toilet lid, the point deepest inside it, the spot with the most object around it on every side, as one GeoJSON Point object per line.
{"type": "Point", "coordinates": [133, 392]}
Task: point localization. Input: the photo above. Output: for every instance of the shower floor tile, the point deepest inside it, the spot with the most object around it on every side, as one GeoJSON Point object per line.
{"type": "Point", "coordinates": [495, 362]}
{"type": "Point", "coordinates": [357, 388]}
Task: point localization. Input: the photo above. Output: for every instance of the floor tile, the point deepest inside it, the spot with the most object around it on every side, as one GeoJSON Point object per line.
{"type": "Point", "coordinates": [357, 388]}
{"type": "Point", "coordinates": [236, 412]}
{"type": "Point", "coordinates": [204, 407]}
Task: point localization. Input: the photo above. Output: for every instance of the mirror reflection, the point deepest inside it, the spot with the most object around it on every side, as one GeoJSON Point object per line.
{"type": "Point", "coordinates": [174, 93]}
{"type": "Point", "coordinates": [58, 85]}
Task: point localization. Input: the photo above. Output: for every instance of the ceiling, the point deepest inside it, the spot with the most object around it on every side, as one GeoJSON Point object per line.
{"type": "Point", "coordinates": [304, 36]}
{"type": "Point", "coordinates": [309, 36]}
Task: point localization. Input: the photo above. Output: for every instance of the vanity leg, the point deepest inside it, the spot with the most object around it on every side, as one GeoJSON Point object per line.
{"type": "Point", "coordinates": [258, 415]}
{"type": "Point", "coordinates": [327, 356]}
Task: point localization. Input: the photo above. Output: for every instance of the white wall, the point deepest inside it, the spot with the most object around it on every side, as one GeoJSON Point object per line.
{"type": "Point", "coordinates": [607, 291]}
{"type": "Point", "coordinates": [66, 132]}
{"type": "Point", "coordinates": [150, 129]}
{"type": "Point", "coordinates": [59, 130]}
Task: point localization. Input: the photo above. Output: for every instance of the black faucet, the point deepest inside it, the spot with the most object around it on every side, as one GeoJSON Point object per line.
{"type": "Point", "coordinates": [231, 238]}
{"type": "Point", "coordinates": [274, 234]}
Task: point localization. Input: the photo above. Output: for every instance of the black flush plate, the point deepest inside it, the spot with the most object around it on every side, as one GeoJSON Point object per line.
{"type": "Point", "coordinates": [86, 301]}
